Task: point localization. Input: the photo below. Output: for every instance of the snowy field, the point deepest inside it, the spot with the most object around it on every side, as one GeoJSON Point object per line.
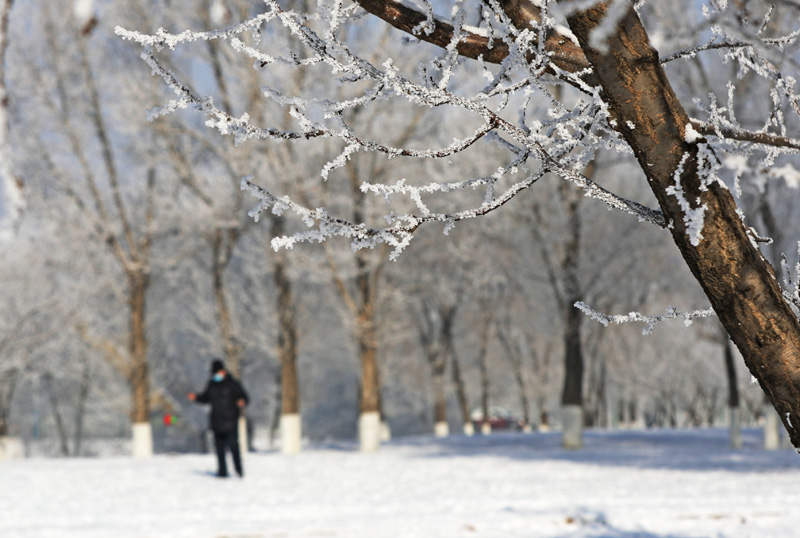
{"type": "Point", "coordinates": [623, 485]}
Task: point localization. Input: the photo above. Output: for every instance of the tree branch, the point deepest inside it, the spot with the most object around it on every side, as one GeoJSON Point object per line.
{"type": "Point", "coordinates": [563, 52]}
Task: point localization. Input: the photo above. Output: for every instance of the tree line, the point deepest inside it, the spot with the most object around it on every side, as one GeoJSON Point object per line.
{"type": "Point", "coordinates": [137, 257]}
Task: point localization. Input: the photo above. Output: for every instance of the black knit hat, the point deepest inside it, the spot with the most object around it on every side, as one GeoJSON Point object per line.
{"type": "Point", "coordinates": [216, 366]}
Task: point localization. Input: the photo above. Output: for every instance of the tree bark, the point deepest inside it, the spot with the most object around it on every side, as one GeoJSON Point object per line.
{"type": "Point", "coordinates": [738, 281]}
{"type": "Point", "coordinates": [461, 392]}
{"type": "Point", "coordinates": [572, 393]}
{"type": "Point", "coordinates": [80, 408]}
{"type": "Point", "coordinates": [137, 346]}
{"type": "Point", "coordinates": [221, 251]}
{"type": "Point", "coordinates": [483, 347]}
{"type": "Point", "coordinates": [368, 352]}
{"type": "Point", "coordinates": [515, 357]}
{"type": "Point", "coordinates": [61, 429]}
{"type": "Point", "coordinates": [8, 384]}
{"type": "Point", "coordinates": [287, 328]}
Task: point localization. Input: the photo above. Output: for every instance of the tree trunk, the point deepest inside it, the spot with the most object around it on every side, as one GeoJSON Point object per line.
{"type": "Point", "coordinates": [734, 414]}
{"type": "Point", "coordinates": [541, 371]}
{"type": "Point", "coordinates": [461, 393]}
{"type": "Point", "coordinates": [572, 393]}
{"type": "Point", "coordinates": [291, 422]}
{"type": "Point", "coordinates": [11, 186]}
{"type": "Point", "coordinates": [483, 348]}
{"type": "Point", "coordinates": [221, 256]}
{"type": "Point", "coordinates": [80, 409]}
{"type": "Point", "coordinates": [61, 430]}
{"type": "Point", "coordinates": [772, 429]}
{"type": "Point", "coordinates": [8, 384]}
{"type": "Point", "coordinates": [369, 422]}
{"type": "Point", "coordinates": [738, 281]}
{"type": "Point", "coordinates": [139, 379]}
{"type": "Point", "coordinates": [441, 427]}
{"type": "Point", "coordinates": [515, 357]}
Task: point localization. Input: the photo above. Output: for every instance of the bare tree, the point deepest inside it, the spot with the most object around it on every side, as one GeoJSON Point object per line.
{"type": "Point", "coordinates": [627, 104]}
{"type": "Point", "coordinates": [13, 200]}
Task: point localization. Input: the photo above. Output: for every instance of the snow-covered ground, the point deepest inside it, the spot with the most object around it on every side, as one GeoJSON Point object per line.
{"type": "Point", "coordinates": [622, 485]}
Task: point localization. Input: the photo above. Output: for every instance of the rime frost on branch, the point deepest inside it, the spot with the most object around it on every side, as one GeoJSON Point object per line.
{"type": "Point", "coordinates": [555, 143]}
{"type": "Point", "coordinates": [636, 317]}
{"type": "Point", "coordinates": [791, 281]}
{"type": "Point", "coordinates": [693, 217]}
{"type": "Point", "coordinates": [560, 141]}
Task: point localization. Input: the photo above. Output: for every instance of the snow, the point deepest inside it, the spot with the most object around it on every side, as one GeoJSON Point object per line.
{"type": "Point", "coordinates": [624, 484]}
{"type": "Point", "coordinates": [691, 136]}
{"type": "Point", "coordinates": [83, 11]}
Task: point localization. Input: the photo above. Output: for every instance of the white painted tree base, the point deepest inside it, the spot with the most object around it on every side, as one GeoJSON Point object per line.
{"type": "Point", "coordinates": [386, 432]}
{"type": "Point", "coordinates": [142, 440]}
{"type": "Point", "coordinates": [486, 428]}
{"type": "Point", "coordinates": [369, 431]}
{"type": "Point", "coordinates": [441, 429]}
{"type": "Point", "coordinates": [772, 431]}
{"type": "Point", "coordinates": [291, 433]}
{"type": "Point", "coordinates": [735, 420]}
{"type": "Point", "coordinates": [244, 441]}
{"type": "Point", "coordinates": [527, 428]}
{"type": "Point", "coordinates": [11, 448]}
{"type": "Point", "coordinates": [572, 423]}
{"type": "Point", "coordinates": [469, 429]}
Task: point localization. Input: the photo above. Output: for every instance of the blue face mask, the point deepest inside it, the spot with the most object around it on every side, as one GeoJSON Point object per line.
{"type": "Point", "coordinates": [218, 377]}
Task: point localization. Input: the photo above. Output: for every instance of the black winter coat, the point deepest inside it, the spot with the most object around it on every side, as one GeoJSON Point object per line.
{"type": "Point", "coordinates": [223, 397]}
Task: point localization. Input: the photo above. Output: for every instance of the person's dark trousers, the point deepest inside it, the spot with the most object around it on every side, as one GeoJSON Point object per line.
{"type": "Point", "coordinates": [224, 441]}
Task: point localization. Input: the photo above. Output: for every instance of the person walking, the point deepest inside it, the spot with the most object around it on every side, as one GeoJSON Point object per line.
{"type": "Point", "coordinates": [227, 399]}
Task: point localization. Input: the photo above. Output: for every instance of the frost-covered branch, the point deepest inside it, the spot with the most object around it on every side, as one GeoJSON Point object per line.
{"type": "Point", "coordinates": [477, 43]}
{"type": "Point", "coordinates": [398, 234]}
{"type": "Point", "coordinates": [389, 82]}
{"type": "Point", "coordinates": [741, 135]}
{"type": "Point", "coordinates": [636, 317]}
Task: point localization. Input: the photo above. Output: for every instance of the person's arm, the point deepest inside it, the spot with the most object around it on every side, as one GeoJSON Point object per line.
{"type": "Point", "coordinates": [199, 398]}
{"type": "Point", "coordinates": [243, 399]}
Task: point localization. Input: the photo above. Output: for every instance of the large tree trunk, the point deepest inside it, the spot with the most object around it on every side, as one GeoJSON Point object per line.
{"type": "Point", "coordinates": [738, 281]}
{"type": "Point", "coordinates": [139, 379]}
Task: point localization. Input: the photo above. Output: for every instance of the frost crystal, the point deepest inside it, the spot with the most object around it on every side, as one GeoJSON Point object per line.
{"type": "Point", "coordinates": [693, 218]}
{"type": "Point", "coordinates": [691, 135]}
{"type": "Point", "coordinates": [649, 321]}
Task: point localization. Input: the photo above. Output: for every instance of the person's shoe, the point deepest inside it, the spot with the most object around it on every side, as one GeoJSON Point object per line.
{"type": "Point", "coordinates": [222, 475]}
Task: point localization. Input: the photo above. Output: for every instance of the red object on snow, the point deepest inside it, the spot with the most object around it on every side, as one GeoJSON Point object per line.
{"type": "Point", "coordinates": [169, 419]}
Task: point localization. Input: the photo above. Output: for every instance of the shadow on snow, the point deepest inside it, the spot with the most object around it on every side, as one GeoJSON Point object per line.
{"type": "Point", "coordinates": [690, 450]}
